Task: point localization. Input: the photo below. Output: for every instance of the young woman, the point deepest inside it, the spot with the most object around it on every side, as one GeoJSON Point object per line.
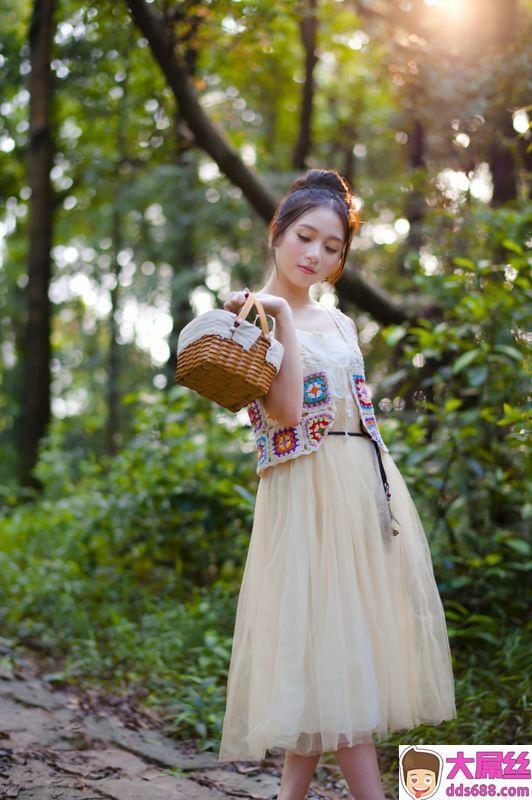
{"type": "Point", "coordinates": [340, 634]}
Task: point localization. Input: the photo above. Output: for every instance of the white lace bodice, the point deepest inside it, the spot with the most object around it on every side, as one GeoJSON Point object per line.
{"type": "Point", "coordinates": [336, 398]}
{"type": "Point", "coordinates": [339, 353]}
{"type": "Point", "coordinates": [329, 348]}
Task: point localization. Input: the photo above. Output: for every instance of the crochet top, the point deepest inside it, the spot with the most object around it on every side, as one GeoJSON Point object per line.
{"type": "Point", "coordinates": [335, 397]}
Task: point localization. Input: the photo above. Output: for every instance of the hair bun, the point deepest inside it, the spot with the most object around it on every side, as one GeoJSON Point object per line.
{"type": "Point", "coordinates": [325, 179]}
{"type": "Point", "coordinates": [318, 188]}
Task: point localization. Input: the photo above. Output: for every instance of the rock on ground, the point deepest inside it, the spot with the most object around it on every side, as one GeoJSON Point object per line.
{"type": "Point", "coordinates": [66, 744]}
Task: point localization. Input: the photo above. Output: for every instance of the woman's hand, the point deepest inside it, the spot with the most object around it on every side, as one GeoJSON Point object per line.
{"type": "Point", "coordinates": [272, 303]}
{"type": "Point", "coordinates": [285, 397]}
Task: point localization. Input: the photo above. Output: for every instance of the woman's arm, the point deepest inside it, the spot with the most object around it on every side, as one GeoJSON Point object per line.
{"type": "Point", "coordinates": [284, 399]}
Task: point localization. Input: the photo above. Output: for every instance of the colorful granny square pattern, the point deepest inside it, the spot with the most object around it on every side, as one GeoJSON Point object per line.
{"type": "Point", "coordinates": [370, 424]}
{"type": "Point", "coordinates": [361, 390]}
{"type": "Point", "coordinates": [315, 427]}
{"type": "Point", "coordinates": [365, 406]}
{"type": "Point", "coordinates": [315, 390]}
{"type": "Point", "coordinates": [285, 441]}
{"type": "Point", "coordinates": [256, 417]}
{"type": "Point", "coordinates": [262, 449]}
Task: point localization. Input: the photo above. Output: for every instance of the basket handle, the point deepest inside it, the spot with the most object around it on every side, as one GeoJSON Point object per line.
{"type": "Point", "coordinates": [246, 308]}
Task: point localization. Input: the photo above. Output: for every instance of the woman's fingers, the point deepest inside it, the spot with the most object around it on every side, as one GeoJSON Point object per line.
{"type": "Point", "coordinates": [236, 300]}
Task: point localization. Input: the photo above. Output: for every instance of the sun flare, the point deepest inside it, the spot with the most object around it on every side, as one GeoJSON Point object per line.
{"type": "Point", "coordinates": [451, 7]}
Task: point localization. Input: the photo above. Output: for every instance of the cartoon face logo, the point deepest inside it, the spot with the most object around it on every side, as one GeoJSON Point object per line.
{"type": "Point", "coordinates": [420, 772]}
{"type": "Point", "coordinates": [421, 782]}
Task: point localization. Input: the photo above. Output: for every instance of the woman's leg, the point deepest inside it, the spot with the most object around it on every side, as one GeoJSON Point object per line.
{"type": "Point", "coordinates": [360, 768]}
{"type": "Point", "coordinates": [297, 775]}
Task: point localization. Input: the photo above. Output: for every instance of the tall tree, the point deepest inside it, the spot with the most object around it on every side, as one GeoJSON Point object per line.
{"type": "Point", "coordinates": [112, 431]}
{"type": "Point", "coordinates": [485, 44]}
{"type": "Point", "coordinates": [308, 26]}
{"type": "Point", "coordinates": [158, 31]}
{"type": "Point", "coordinates": [502, 149]}
{"type": "Point", "coordinates": [36, 402]}
{"type": "Point", "coordinates": [415, 204]}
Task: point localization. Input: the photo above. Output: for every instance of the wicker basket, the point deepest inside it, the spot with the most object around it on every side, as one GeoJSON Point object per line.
{"type": "Point", "coordinates": [227, 359]}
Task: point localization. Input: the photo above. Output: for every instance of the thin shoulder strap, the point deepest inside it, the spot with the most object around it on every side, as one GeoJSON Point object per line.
{"type": "Point", "coordinates": [345, 328]}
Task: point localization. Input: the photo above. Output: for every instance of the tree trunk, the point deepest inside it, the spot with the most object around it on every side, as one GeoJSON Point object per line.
{"type": "Point", "coordinates": [112, 430]}
{"type": "Point", "coordinates": [113, 363]}
{"type": "Point", "coordinates": [349, 137]}
{"type": "Point", "coordinates": [183, 261]}
{"type": "Point", "coordinates": [502, 150]}
{"type": "Point", "coordinates": [207, 136]}
{"type": "Point", "coordinates": [502, 164]}
{"type": "Point", "coordinates": [308, 27]}
{"type": "Point", "coordinates": [415, 201]}
{"type": "Point", "coordinates": [166, 51]}
{"type": "Point", "coordinates": [35, 410]}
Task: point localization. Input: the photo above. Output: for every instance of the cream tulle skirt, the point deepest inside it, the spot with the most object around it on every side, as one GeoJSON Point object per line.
{"type": "Point", "coordinates": [340, 637]}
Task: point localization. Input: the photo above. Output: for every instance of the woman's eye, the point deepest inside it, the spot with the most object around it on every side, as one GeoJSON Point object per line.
{"type": "Point", "coordinates": [306, 239]}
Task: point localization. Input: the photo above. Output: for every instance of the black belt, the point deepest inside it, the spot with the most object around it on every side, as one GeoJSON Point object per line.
{"type": "Point", "coordinates": [385, 483]}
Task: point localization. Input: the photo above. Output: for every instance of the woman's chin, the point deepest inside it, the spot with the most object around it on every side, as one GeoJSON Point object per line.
{"type": "Point", "coordinates": [302, 278]}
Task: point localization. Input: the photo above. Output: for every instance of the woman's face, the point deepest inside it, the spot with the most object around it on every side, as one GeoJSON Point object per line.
{"type": "Point", "coordinates": [315, 240]}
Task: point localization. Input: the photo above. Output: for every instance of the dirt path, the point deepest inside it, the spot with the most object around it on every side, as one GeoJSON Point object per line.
{"type": "Point", "coordinates": [68, 744]}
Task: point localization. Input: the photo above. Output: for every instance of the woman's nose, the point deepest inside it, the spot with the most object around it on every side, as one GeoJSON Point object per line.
{"type": "Point", "coordinates": [313, 249]}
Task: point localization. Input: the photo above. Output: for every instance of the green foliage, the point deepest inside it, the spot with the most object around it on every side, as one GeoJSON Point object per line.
{"type": "Point", "coordinates": [130, 572]}
{"type": "Point", "coordinates": [173, 506]}
{"type": "Point", "coordinates": [129, 567]}
{"type": "Point", "coordinates": [463, 447]}
{"type": "Point", "coordinates": [466, 446]}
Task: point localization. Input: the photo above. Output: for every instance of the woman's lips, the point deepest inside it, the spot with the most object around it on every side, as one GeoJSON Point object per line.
{"type": "Point", "coordinates": [308, 270]}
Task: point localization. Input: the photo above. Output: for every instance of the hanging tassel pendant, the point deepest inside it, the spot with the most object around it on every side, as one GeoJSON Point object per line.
{"type": "Point", "coordinates": [393, 518]}
{"type": "Point", "coordinates": [395, 529]}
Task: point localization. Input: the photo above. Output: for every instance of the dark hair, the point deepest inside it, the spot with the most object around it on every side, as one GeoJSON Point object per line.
{"type": "Point", "coordinates": [318, 187]}
{"type": "Point", "coordinates": [420, 759]}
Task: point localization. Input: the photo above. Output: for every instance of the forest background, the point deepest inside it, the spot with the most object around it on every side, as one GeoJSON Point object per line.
{"type": "Point", "coordinates": [143, 148]}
